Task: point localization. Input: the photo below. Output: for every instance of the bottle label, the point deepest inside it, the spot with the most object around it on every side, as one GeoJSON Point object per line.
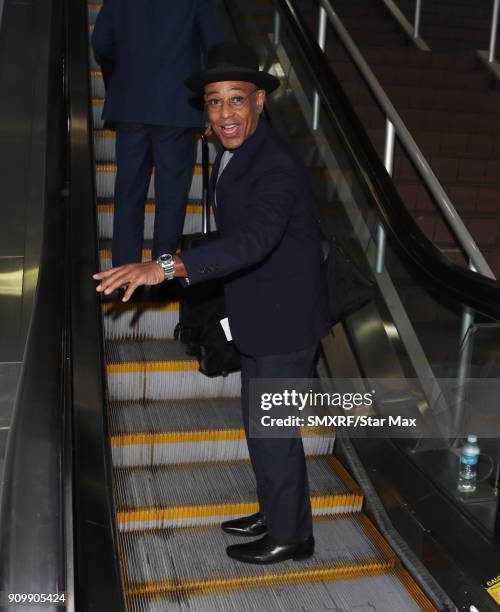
{"type": "Point", "coordinates": [470, 459]}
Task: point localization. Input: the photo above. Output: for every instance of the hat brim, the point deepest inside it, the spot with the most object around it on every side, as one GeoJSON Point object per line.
{"type": "Point", "coordinates": [262, 80]}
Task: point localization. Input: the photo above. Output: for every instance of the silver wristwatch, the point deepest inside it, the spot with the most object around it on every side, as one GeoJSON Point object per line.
{"type": "Point", "coordinates": [166, 261]}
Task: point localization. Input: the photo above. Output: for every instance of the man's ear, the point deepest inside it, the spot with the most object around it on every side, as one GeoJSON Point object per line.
{"type": "Point", "coordinates": [260, 98]}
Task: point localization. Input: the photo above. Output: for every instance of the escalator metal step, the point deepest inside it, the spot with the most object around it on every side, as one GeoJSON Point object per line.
{"type": "Point", "coordinates": [189, 431]}
{"type": "Point", "coordinates": [136, 321]}
{"type": "Point", "coordinates": [105, 143]}
{"type": "Point", "coordinates": [93, 10]}
{"type": "Point", "coordinates": [160, 369]}
{"type": "Point", "coordinates": [377, 593]}
{"type": "Point", "coordinates": [97, 106]}
{"type": "Point", "coordinates": [96, 83]}
{"type": "Point", "coordinates": [93, 65]}
{"type": "Point", "coordinates": [106, 175]}
{"type": "Point", "coordinates": [192, 222]}
{"type": "Point", "coordinates": [105, 253]}
{"type": "Point", "coordinates": [191, 560]}
{"type": "Point", "coordinates": [205, 493]}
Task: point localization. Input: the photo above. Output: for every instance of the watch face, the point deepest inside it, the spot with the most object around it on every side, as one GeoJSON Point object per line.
{"type": "Point", "coordinates": [165, 258]}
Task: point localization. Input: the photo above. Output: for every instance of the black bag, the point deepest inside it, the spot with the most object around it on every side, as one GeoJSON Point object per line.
{"type": "Point", "coordinates": [349, 288]}
{"type": "Point", "coordinates": [216, 355]}
{"type": "Point", "coordinates": [200, 311]}
{"type": "Point", "coordinates": [199, 304]}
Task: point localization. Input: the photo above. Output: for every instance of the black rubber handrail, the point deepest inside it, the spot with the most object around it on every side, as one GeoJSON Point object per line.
{"type": "Point", "coordinates": [469, 288]}
{"type": "Point", "coordinates": [98, 583]}
{"type": "Point", "coordinates": [33, 526]}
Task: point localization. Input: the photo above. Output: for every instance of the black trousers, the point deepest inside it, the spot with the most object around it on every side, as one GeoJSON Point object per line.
{"type": "Point", "coordinates": [138, 147]}
{"type": "Point", "coordinates": [279, 463]}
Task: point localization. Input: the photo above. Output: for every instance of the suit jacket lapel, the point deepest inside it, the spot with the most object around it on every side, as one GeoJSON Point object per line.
{"type": "Point", "coordinates": [213, 178]}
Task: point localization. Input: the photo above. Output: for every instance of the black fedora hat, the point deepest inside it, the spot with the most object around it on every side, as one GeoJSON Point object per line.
{"type": "Point", "coordinates": [232, 62]}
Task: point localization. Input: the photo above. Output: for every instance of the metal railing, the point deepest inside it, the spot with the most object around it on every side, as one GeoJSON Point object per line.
{"type": "Point", "coordinates": [395, 126]}
{"type": "Point", "coordinates": [493, 29]}
{"type": "Point", "coordinates": [411, 30]}
{"type": "Point", "coordinates": [416, 21]}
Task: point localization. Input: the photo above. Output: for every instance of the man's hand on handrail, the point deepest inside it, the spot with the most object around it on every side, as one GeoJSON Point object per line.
{"type": "Point", "coordinates": [134, 275]}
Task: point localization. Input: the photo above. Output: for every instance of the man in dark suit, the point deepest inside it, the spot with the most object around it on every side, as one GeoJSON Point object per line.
{"type": "Point", "coordinates": [269, 251]}
{"type": "Point", "coordinates": [147, 50]}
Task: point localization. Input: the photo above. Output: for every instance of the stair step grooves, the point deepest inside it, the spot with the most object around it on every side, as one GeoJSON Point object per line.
{"type": "Point", "coordinates": [105, 142]}
{"type": "Point", "coordinates": [389, 592]}
{"type": "Point", "coordinates": [139, 321]}
{"type": "Point", "coordinates": [106, 176]}
{"type": "Point", "coordinates": [347, 546]}
{"type": "Point", "coordinates": [189, 431]}
{"type": "Point", "coordinates": [206, 493]}
{"type": "Point", "coordinates": [192, 220]}
{"type": "Point", "coordinates": [160, 369]}
{"type": "Point", "coordinates": [105, 251]}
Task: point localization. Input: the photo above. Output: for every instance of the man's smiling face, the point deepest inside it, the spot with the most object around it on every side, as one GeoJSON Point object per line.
{"type": "Point", "coordinates": [233, 109]}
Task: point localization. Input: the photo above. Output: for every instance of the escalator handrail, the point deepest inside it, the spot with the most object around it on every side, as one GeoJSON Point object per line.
{"type": "Point", "coordinates": [470, 288]}
{"type": "Point", "coordinates": [441, 199]}
{"type": "Point", "coordinates": [98, 582]}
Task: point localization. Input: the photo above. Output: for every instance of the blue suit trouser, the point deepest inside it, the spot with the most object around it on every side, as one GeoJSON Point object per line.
{"type": "Point", "coordinates": [171, 151]}
{"type": "Point", "coordinates": [279, 463]}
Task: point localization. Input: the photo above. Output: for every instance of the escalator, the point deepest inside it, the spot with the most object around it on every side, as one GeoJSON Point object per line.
{"type": "Point", "coordinates": [179, 459]}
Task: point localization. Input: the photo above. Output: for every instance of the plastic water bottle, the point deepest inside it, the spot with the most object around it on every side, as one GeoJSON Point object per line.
{"type": "Point", "coordinates": [469, 458]}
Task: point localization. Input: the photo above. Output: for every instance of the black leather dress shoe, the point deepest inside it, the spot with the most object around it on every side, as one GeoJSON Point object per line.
{"type": "Point", "coordinates": [253, 525]}
{"type": "Point", "coordinates": [267, 550]}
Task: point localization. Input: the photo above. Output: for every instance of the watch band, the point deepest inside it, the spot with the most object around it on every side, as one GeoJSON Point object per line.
{"type": "Point", "coordinates": [166, 261]}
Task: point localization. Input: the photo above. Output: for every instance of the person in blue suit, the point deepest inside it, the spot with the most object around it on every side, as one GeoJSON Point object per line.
{"type": "Point", "coordinates": [147, 49]}
{"type": "Point", "coordinates": [269, 252]}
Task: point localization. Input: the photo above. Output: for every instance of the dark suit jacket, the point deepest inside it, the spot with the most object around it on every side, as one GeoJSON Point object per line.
{"type": "Point", "coordinates": [154, 46]}
{"type": "Point", "coordinates": [269, 249]}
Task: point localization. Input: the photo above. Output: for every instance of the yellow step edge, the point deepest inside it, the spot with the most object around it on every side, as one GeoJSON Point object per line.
{"type": "Point", "coordinates": [332, 172]}
{"type": "Point", "coordinates": [343, 474]}
{"type": "Point", "coordinates": [177, 365]}
{"type": "Point", "coordinates": [327, 572]}
{"type": "Point", "coordinates": [174, 437]}
{"type": "Point", "coordinates": [112, 168]}
{"type": "Point", "coordinates": [415, 591]}
{"type": "Point", "coordinates": [102, 133]}
{"type": "Point", "coordinates": [147, 254]}
{"type": "Point", "coordinates": [130, 306]}
{"type": "Point", "coordinates": [185, 512]}
{"type": "Point", "coordinates": [203, 435]}
{"type": "Point", "coordinates": [140, 515]}
{"type": "Point", "coordinates": [97, 101]}
{"type": "Point", "coordinates": [377, 537]}
{"type": "Point", "coordinates": [191, 209]}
